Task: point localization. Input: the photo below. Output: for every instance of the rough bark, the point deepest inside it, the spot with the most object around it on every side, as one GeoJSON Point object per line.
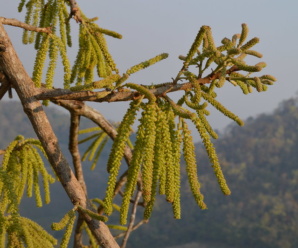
{"type": "Point", "coordinates": [24, 86]}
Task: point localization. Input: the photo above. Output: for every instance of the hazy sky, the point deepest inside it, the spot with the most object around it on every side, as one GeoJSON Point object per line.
{"type": "Point", "coordinates": [151, 27]}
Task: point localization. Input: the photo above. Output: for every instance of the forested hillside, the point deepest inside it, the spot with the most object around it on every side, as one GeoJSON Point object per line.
{"type": "Point", "coordinates": [260, 161]}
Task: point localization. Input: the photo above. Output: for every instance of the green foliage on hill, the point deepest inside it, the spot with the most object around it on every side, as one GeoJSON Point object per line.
{"type": "Point", "coordinates": [260, 163]}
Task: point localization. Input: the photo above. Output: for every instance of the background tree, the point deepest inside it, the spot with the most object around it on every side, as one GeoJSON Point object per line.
{"type": "Point", "coordinates": [154, 158]}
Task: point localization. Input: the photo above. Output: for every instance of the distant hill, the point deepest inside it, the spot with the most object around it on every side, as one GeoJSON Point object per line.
{"type": "Point", "coordinates": [260, 161]}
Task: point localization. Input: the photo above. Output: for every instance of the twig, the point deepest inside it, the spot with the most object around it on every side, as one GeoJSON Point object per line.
{"type": "Point", "coordinates": [17, 23]}
{"type": "Point", "coordinates": [132, 219]}
{"type": "Point", "coordinates": [114, 96]}
{"type": "Point", "coordinates": [75, 11]}
{"type": "Point", "coordinates": [82, 109]}
{"type": "Point", "coordinates": [74, 149]}
{"type": "Point", "coordinates": [78, 233]}
{"type": "Point", "coordinates": [134, 228]}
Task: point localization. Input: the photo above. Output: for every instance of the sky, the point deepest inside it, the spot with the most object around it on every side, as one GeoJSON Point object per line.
{"type": "Point", "coordinates": [151, 27]}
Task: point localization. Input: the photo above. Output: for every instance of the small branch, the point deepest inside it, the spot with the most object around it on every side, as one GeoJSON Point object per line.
{"type": "Point", "coordinates": [134, 228]}
{"type": "Point", "coordinates": [74, 149]}
{"type": "Point", "coordinates": [2, 152]}
{"type": "Point", "coordinates": [117, 96]}
{"type": "Point", "coordinates": [17, 23]}
{"type": "Point", "coordinates": [78, 233]}
{"type": "Point", "coordinates": [82, 109]}
{"type": "Point", "coordinates": [132, 219]}
{"type": "Point", "coordinates": [75, 11]}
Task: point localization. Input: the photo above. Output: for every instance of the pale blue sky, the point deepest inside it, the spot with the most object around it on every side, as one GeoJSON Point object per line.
{"type": "Point", "coordinates": [150, 27]}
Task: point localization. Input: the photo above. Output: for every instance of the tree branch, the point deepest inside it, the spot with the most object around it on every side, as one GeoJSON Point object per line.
{"type": "Point", "coordinates": [134, 228]}
{"type": "Point", "coordinates": [127, 95]}
{"type": "Point", "coordinates": [75, 11]}
{"type": "Point", "coordinates": [95, 116]}
{"type": "Point", "coordinates": [24, 86]}
{"type": "Point", "coordinates": [132, 219]}
{"type": "Point", "coordinates": [17, 23]}
{"type": "Point", "coordinates": [74, 149]}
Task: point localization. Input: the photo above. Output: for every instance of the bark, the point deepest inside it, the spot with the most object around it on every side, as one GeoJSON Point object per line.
{"type": "Point", "coordinates": [24, 86]}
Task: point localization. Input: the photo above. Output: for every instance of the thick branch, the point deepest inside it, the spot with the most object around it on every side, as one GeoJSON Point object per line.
{"type": "Point", "coordinates": [17, 23]}
{"type": "Point", "coordinates": [117, 96]}
{"type": "Point", "coordinates": [24, 86]}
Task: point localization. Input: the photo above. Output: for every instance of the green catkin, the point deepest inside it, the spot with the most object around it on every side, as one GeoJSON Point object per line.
{"type": "Point", "coordinates": [41, 24]}
{"type": "Point", "coordinates": [254, 53]}
{"type": "Point", "coordinates": [259, 86]}
{"type": "Point", "coordinates": [249, 68]}
{"type": "Point", "coordinates": [62, 21]}
{"type": "Point", "coordinates": [222, 109]}
{"type": "Point", "coordinates": [40, 60]}
{"type": "Point", "coordinates": [133, 173]}
{"type": "Point", "coordinates": [117, 227]}
{"type": "Point", "coordinates": [211, 44]}
{"type": "Point", "coordinates": [269, 77]}
{"type": "Point", "coordinates": [57, 226]}
{"type": "Point", "coordinates": [191, 166]}
{"type": "Point", "coordinates": [176, 153]}
{"type": "Point", "coordinates": [24, 174]}
{"type": "Point", "coordinates": [29, 177]}
{"type": "Point", "coordinates": [206, 124]}
{"type": "Point", "coordinates": [250, 44]}
{"type": "Point", "coordinates": [93, 215]}
{"type": "Point", "coordinates": [89, 137]}
{"type": "Point", "coordinates": [122, 80]}
{"type": "Point", "coordinates": [104, 48]}
{"type": "Point", "coordinates": [100, 139]}
{"type": "Point", "coordinates": [98, 153]}
{"type": "Point", "coordinates": [28, 19]}
{"type": "Point", "coordinates": [146, 63]}
{"type": "Point", "coordinates": [65, 62]}
{"type": "Point", "coordinates": [37, 194]}
{"type": "Point", "coordinates": [169, 162]}
{"type": "Point", "coordinates": [158, 163]}
{"type": "Point", "coordinates": [234, 51]}
{"type": "Point", "coordinates": [195, 45]}
{"type": "Point", "coordinates": [21, 5]}
{"type": "Point", "coordinates": [143, 154]}
{"type": "Point", "coordinates": [244, 34]}
{"type": "Point", "coordinates": [47, 178]}
{"type": "Point", "coordinates": [35, 15]}
{"type": "Point", "coordinates": [26, 235]}
{"type": "Point", "coordinates": [68, 232]}
{"type": "Point", "coordinates": [88, 130]}
{"type": "Point", "coordinates": [143, 90]}
{"type": "Point", "coordinates": [105, 83]}
{"type": "Point", "coordinates": [235, 37]}
{"type": "Point", "coordinates": [109, 32]}
{"type": "Point", "coordinates": [117, 152]}
{"type": "Point", "coordinates": [243, 86]}
{"type": "Point", "coordinates": [212, 156]}
{"type": "Point", "coordinates": [92, 240]}
{"type": "Point", "coordinates": [148, 150]}
{"type": "Point", "coordinates": [53, 54]}
{"type": "Point", "coordinates": [39, 232]}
